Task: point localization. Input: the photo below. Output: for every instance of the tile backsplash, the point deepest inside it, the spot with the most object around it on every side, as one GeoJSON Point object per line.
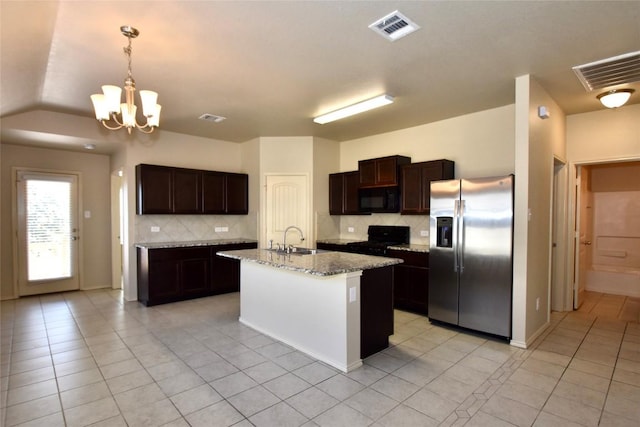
{"type": "Point", "coordinates": [175, 228]}
{"type": "Point", "coordinates": [332, 226]}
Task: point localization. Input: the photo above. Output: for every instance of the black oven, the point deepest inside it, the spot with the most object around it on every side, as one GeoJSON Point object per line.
{"type": "Point", "coordinates": [379, 200]}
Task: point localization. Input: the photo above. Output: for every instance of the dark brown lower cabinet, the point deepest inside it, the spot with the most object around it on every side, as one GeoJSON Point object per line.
{"type": "Point", "coordinates": [376, 310]}
{"type": "Point", "coordinates": [180, 273]}
{"type": "Point", "coordinates": [411, 281]}
{"type": "Point", "coordinates": [336, 247]}
{"type": "Point", "coordinates": [225, 272]}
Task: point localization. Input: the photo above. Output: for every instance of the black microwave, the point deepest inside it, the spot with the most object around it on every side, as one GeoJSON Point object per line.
{"type": "Point", "coordinates": [379, 200]}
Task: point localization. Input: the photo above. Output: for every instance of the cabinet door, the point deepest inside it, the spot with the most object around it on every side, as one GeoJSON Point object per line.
{"type": "Point", "coordinates": [187, 190]}
{"type": "Point", "coordinates": [412, 189]}
{"type": "Point", "coordinates": [194, 272]}
{"type": "Point", "coordinates": [213, 192]}
{"type": "Point", "coordinates": [237, 193]}
{"type": "Point", "coordinates": [387, 171]}
{"type": "Point", "coordinates": [336, 193]}
{"type": "Point", "coordinates": [225, 272]}
{"type": "Point", "coordinates": [411, 281]}
{"type": "Point", "coordinates": [164, 275]}
{"type": "Point", "coordinates": [351, 186]}
{"type": "Point", "coordinates": [436, 170]}
{"type": "Point", "coordinates": [367, 170]}
{"type": "Point", "coordinates": [154, 189]}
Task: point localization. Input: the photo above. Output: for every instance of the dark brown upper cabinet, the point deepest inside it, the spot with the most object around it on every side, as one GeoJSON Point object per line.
{"type": "Point", "coordinates": [416, 184]}
{"type": "Point", "coordinates": [343, 193]}
{"type": "Point", "coordinates": [187, 189]}
{"type": "Point", "coordinates": [381, 172]}
{"type": "Point", "coordinates": [225, 193]}
{"type": "Point", "coordinates": [170, 190]}
{"type": "Point", "coordinates": [154, 189]}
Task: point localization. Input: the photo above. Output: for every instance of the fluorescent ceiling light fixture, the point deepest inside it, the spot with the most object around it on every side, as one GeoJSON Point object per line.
{"type": "Point", "coordinates": [615, 98]}
{"type": "Point", "coordinates": [354, 109]}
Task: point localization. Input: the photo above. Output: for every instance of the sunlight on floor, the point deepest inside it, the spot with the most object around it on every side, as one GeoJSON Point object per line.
{"type": "Point", "coordinates": [609, 306]}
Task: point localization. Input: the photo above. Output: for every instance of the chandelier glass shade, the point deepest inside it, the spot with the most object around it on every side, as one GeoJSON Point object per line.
{"type": "Point", "coordinates": [113, 113]}
{"type": "Point", "coordinates": [615, 98]}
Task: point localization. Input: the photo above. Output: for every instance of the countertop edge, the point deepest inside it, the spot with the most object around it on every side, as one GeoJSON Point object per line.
{"type": "Point", "coordinates": [193, 243]}
{"type": "Point", "coordinates": [243, 255]}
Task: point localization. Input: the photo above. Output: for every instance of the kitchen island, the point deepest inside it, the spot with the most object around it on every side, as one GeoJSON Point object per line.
{"type": "Point", "coordinates": [336, 307]}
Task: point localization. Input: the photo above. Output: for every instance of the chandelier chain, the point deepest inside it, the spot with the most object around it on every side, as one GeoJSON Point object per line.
{"type": "Point", "coordinates": [127, 50]}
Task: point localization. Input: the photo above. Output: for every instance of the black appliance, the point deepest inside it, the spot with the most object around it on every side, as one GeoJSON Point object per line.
{"type": "Point", "coordinates": [379, 200]}
{"type": "Point", "coordinates": [379, 238]}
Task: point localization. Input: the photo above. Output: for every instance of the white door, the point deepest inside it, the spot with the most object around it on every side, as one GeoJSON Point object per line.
{"type": "Point", "coordinates": [583, 234]}
{"type": "Point", "coordinates": [287, 203]}
{"type": "Point", "coordinates": [47, 243]}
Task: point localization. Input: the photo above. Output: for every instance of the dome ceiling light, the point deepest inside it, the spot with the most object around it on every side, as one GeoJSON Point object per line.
{"type": "Point", "coordinates": [615, 98]}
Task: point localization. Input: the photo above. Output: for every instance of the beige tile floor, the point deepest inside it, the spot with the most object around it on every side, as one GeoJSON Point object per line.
{"type": "Point", "coordinates": [89, 358]}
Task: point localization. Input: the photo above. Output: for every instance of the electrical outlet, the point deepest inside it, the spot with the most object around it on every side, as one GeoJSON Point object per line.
{"type": "Point", "coordinates": [225, 229]}
{"type": "Point", "coordinates": [351, 229]}
{"type": "Point", "coordinates": [155, 229]}
{"type": "Point", "coordinates": [538, 304]}
{"type": "Point", "coordinates": [424, 233]}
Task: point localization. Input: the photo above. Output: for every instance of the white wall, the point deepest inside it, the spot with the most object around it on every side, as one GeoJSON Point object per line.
{"type": "Point", "coordinates": [604, 135]}
{"type": "Point", "coordinates": [95, 241]}
{"type": "Point", "coordinates": [537, 141]}
{"type": "Point", "coordinates": [481, 144]}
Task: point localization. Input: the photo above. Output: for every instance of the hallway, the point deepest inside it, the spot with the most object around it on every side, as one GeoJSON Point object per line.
{"type": "Point", "coordinates": [613, 307]}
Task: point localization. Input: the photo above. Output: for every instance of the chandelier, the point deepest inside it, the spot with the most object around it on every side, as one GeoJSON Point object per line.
{"type": "Point", "coordinates": [107, 104]}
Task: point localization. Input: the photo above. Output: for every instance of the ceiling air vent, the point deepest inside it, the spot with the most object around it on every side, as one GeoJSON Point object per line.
{"type": "Point", "coordinates": [212, 118]}
{"type": "Point", "coordinates": [618, 70]}
{"type": "Point", "coordinates": [394, 26]}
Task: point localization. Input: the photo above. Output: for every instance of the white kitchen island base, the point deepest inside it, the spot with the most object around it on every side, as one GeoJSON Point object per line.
{"type": "Point", "coordinates": [318, 315]}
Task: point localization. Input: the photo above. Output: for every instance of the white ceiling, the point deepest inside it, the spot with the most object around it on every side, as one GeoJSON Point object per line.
{"type": "Point", "coordinates": [269, 67]}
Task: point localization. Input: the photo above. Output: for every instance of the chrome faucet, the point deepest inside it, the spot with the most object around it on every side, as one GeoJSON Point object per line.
{"type": "Point", "coordinates": [284, 238]}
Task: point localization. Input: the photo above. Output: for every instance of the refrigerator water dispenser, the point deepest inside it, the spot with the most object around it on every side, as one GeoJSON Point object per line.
{"type": "Point", "coordinates": [444, 229]}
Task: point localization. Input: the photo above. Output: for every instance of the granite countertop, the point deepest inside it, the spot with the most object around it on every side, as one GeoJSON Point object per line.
{"type": "Point", "coordinates": [320, 264]}
{"type": "Point", "coordinates": [410, 248]}
{"type": "Point", "coordinates": [337, 241]}
{"type": "Point", "coordinates": [184, 244]}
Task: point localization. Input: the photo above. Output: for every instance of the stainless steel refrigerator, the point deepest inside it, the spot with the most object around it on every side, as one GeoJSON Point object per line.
{"type": "Point", "coordinates": [470, 253]}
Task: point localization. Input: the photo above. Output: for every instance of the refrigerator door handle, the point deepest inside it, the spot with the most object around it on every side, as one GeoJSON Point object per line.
{"type": "Point", "coordinates": [454, 243]}
{"type": "Point", "coordinates": [460, 243]}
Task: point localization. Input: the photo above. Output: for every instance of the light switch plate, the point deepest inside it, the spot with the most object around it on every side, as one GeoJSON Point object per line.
{"type": "Point", "coordinates": [155, 229]}
{"type": "Point", "coordinates": [424, 233]}
{"type": "Point", "coordinates": [352, 294]}
{"type": "Point", "coordinates": [351, 229]}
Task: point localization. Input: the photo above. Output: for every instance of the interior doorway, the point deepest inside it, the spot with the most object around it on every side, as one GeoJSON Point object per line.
{"type": "Point", "coordinates": [606, 253]}
{"type": "Point", "coordinates": [117, 229]}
